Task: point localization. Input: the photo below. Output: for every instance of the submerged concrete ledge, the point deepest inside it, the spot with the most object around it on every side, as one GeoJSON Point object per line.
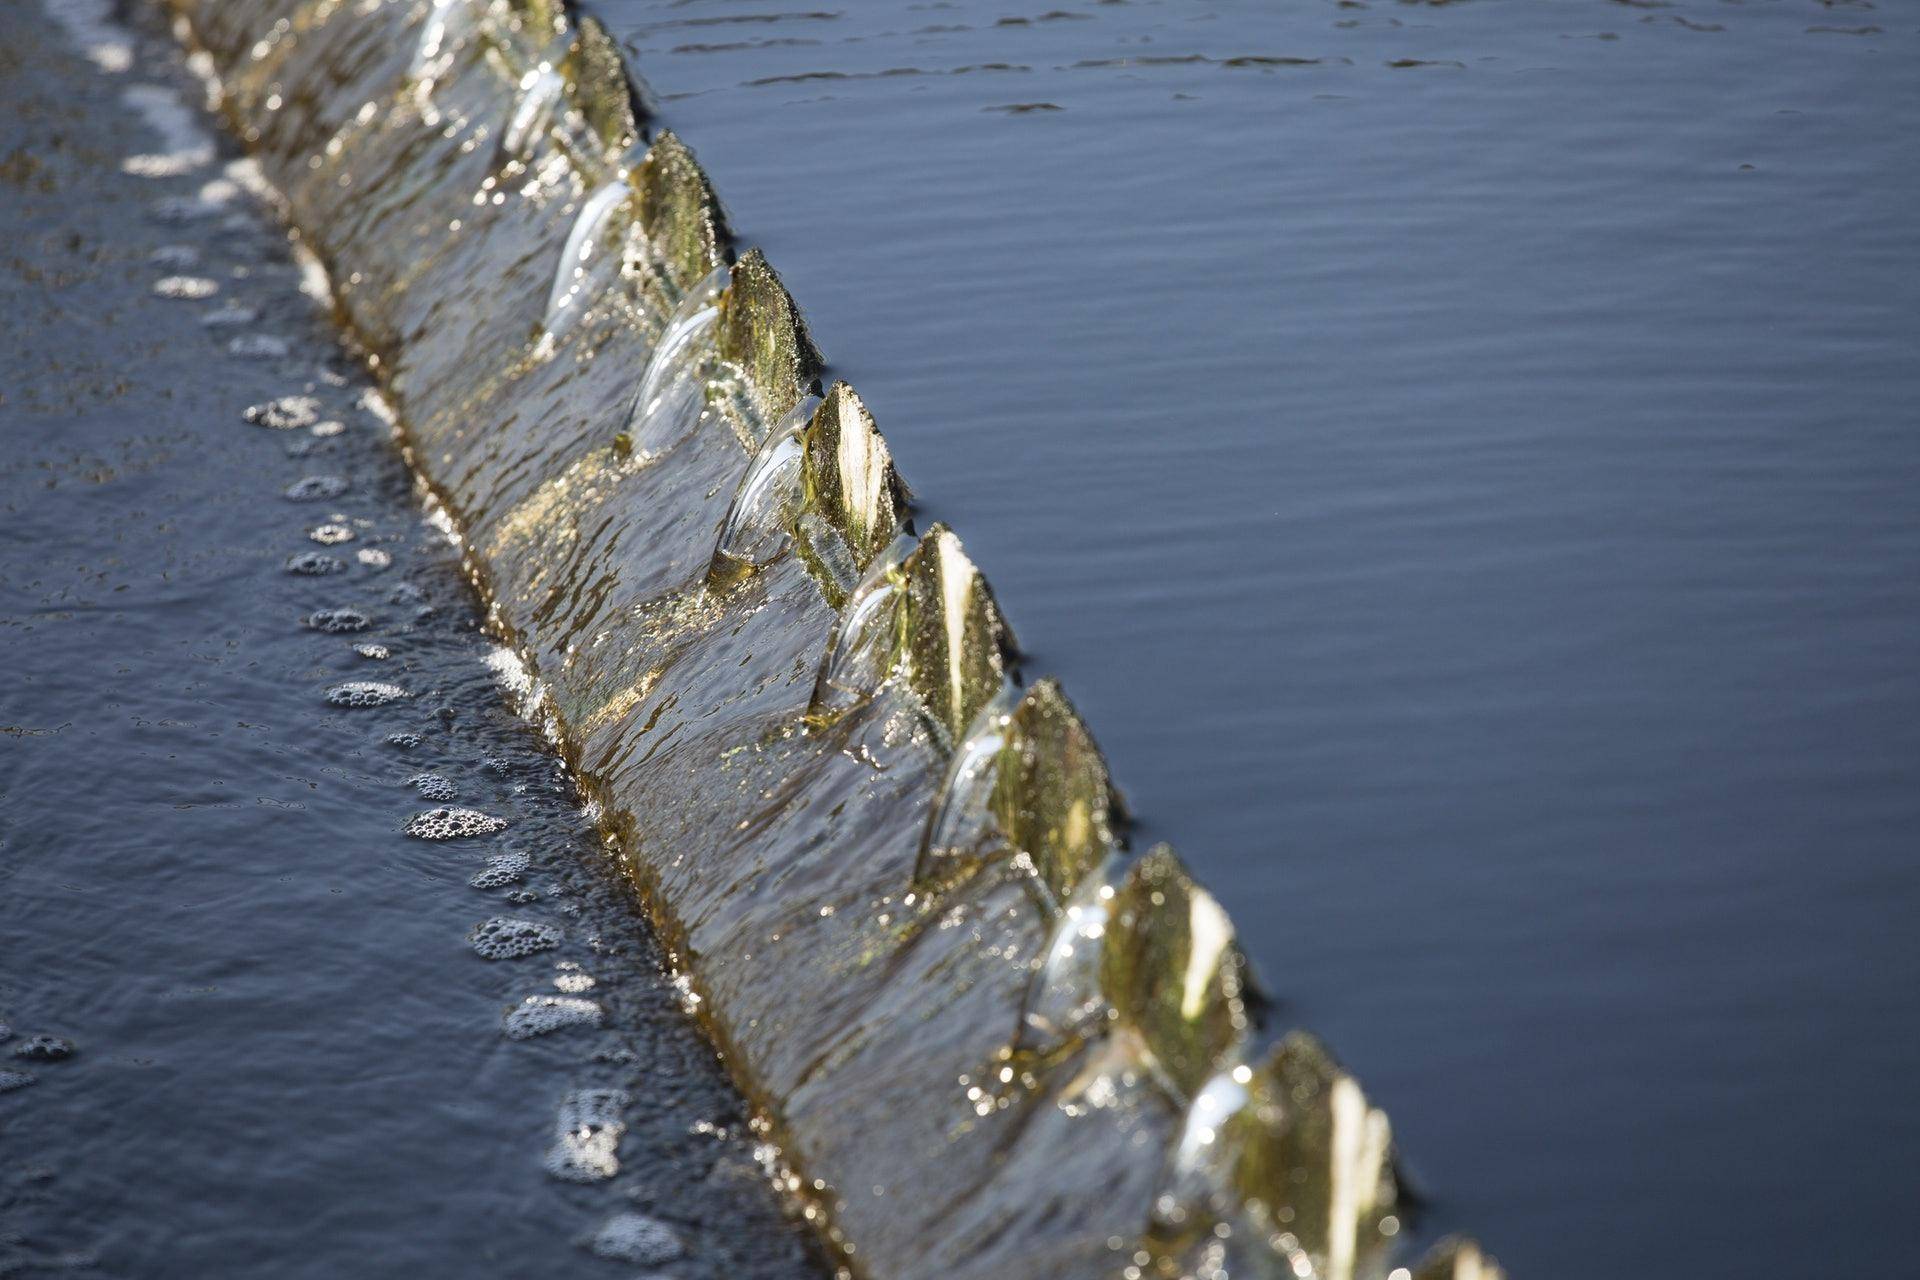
{"type": "Point", "coordinates": [990, 1039]}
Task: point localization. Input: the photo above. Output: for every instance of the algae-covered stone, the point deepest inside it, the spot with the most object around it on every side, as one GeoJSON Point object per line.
{"type": "Point", "coordinates": [602, 88]}
{"type": "Point", "coordinates": [849, 486]}
{"type": "Point", "coordinates": [762, 335]}
{"type": "Point", "coordinates": [1053, 797]}
{"type": "Point", "coordinates": [685, 229]}
{"type": "Point", "coordinates": [1174, 972]}
{"type": "Point", "coordinates": [958, 648]}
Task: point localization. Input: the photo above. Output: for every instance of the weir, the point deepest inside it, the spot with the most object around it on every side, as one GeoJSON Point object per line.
{"type": "Point", "coordinates": [990, 1038]}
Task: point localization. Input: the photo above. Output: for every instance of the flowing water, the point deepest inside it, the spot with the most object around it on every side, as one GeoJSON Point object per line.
{"type": "Point", "coordinates": [1456, 457]}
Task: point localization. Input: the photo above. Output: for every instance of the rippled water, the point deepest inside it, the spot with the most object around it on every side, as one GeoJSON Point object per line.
{"type": "Point", "coordinates": [287, 1057]}
{"type": "Point", "coordinates": [1465, 477]}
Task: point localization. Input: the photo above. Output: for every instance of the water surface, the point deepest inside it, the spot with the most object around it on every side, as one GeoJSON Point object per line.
{"type": "Point", "coordinates": [1461, 460]}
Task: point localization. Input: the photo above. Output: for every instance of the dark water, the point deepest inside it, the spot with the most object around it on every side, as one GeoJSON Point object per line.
{"type": "Point", "coordinates": [290, 1060]}
{"type": "Point", "coordinates": [1472, 501]}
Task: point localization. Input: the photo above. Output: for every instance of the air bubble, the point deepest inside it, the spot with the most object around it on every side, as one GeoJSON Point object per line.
{"type": "Point", "coordinates": [453, 824]}
{"type": "Point", "coordinates": [315, 564]}
{"type": "Point", "coordinates": [404, 741]}
{"type": "Point", "coordinates": [365, 693]}
{"type": "Point", "coordinates": [544, 1015]}
{"type": "Point", "coordinates": [521, 897]}
{"type": "Point", "coordinates": [637, 1239]}
{"type": "Point", "coordinates": [288, 413]}
{"type": "Point", "coordinates": [335, 621]}
{"type": "Point", "coordinates": [314, 488]}
{"type": "Point", "coordinates": [586, 1145]}
{"type": "Point", "coordinates": [329, 535]}
{"type": "Point", "coordinates": [44, 1048]}
{"type": "Point", "coordinates": [501, 870]}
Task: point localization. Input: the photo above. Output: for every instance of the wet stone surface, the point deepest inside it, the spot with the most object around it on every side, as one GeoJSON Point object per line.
{"type": "Point", "coordinates": [288, 1049]}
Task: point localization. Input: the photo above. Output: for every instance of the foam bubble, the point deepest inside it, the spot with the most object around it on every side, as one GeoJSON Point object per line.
{"type": "Point", "coordinates": [570, 978]}
{"type": "Point", "coordinates": [502, 938]}
{"type": "Point", "coordinates": [328, 535]}
{"type": "Point", "coordinates": [44, 1048]}
{"type": "Point", "coordinates": [453, 824]}
{"type": "Point", "coordinates": [638, 1239]}
{"type": "Point", "coordinates": [365, 693]}
{"type": "Point", "coordinates": [404, 741]}
{"type": "Point", "coordinates": [374, 651]}
{"type": "Point", "coordinates": [335, 621]}
{"type": "Point", "coordinates": [285, 414]}
{"type": "Point", "coordinates": [176, 256]}
{"type": "Point", "coordinates": [331, 427]}
{"type": "Point", "coordinates": [373, 557]}
{"type": "Point", "coordinates": [314, 488]}
{"type": "Point", "coordinates": [315, 564]}
{"type": "Point", "coordinates": [432, 786]}
{"type": "Point", "coordinates": [586, 1144]}
{"type": "Point", "coordinates": [191, 288]}
{"type": "Point", "coordinates": [544, 1015]}
{"type": "Point", "coordinates": [11, 1080]}
{"type": "Point", "coordinates": [501, 870]}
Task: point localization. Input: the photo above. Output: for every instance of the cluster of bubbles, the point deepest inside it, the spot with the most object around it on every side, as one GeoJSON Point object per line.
{"type": "Point", "coordinates": [315, 564]}
{"type": "Point", "coordinates": [432, 786]}
{"type": "Point", "coordinates": [288, 413]}
{"type": "Point", "coordinates": [316, 488]}
{"type": "Point", "coordinates": [502, 869]}
{"type": "Point", "coordinates": [334, 621]}
{"type": "Point", "coordinates": [637, 1239]}
{"type": "Point", "coordinates": [504, 938]}
{"type": "Point", "coordinates": [587, 1133]}
{"type": "Point", "coordinates": [544, 1015]}
{"type": "Point", "coordinates": [453, 824]}
{"type": "Point", "coordinates": [365, 693]}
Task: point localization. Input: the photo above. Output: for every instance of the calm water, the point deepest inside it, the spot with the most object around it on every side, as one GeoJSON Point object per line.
{"type": "Point", "coordinates": [290, 1061]}
{"type": "Point", "coordinates": [1474, 503]}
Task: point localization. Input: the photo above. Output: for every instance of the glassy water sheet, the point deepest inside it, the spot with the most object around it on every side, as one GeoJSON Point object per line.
{"type": "Point", "coordinates": [1460, 460]}
{"type": "Point", "coordinates": [311, 963]}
